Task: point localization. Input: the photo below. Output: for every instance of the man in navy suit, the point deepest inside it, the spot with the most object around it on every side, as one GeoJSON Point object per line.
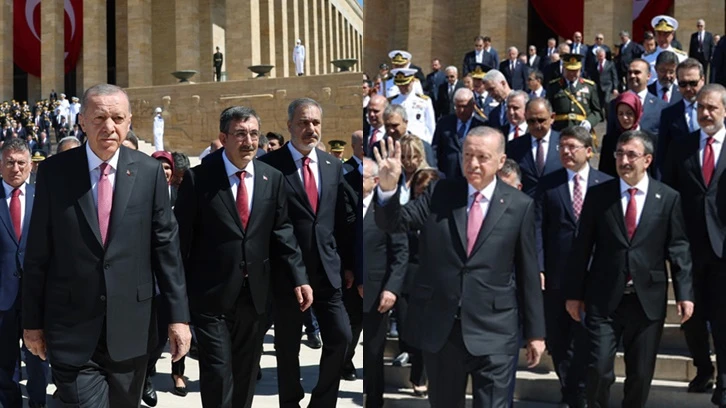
{"type": "Point", "coordinates": [638, 76]}
{"type": "Point", "coordinates": [15, 210]}
{"type": "Point", "coordinates": [479, 55]}
{"type": "Point", "coordinates": [701, 46]}
{"type": "Point", "coordinates": [560, 196]}
{"type": "Point", "coordinates": [536, 151]}
{"type": "Point", "coordinates": [665, 87]}
{"type": "Point", "coordinates": [577, 46]}
{"type": "Point", "coordinates": [498, 88]}
{"type": "Point", "coordinates": [514, 71]}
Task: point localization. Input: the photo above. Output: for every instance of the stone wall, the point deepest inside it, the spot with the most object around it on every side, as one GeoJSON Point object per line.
{"type": "Point", "coordinates": [191, 111]}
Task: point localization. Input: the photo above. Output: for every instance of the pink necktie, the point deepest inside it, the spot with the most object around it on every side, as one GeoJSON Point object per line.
{"type": "Point", "coordinates": [105, 199]}
{"type": "Point", "coordinates": [577, 197]}
{"type": "Point", "coordinates": [242, 205]}
{"type": "Point", "coordinates": [310, 188]}
{"type": "Point", "coordinates": [15, 212]}
{"type": "Point", "coordinates": [473, 225]}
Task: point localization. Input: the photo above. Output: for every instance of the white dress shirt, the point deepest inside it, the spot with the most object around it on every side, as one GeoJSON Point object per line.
{"type": "Point", "coordinates": [583, 174]}
{"type": "Point", "coordinates": [9, 195]}
{"type": "Point", "coordinates": [232, 170]}
{"type": "Point", "coordinates": [479, 55]}
{"type": "Point", "coordinates": [640, 195]}
{"type": "Point", "coordinates": [486, 193]}
{"type": "Point", "coordinates": [642, 94]}
{"type": "Point", "coordinates": [522, 130]}
{"type": "Point", "coordinates": [718, 139]}
{"type": "Point", "coordinates": [367, 200]}
{"type": "Point", "coordinates": [537, 93]}
{"type": "Point", "coordinates": [545, 145]}
{"type": "Point", "coordinates": [298, 158]}
{"type": "Point", "coordinates": [95, 172]}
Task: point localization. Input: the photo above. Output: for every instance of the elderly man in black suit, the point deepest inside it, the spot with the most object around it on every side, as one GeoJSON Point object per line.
{"type": "Point", "coordinates": [477, 238]}
{"type": "Point", "coordinates": [373, 128]}
{"type": "Point", "coordinates": [445, 101]}
{"type": "Point", "coordinates": [695, 167]}
{"type": "Point", "coordinates": [701, 46]}
{"type": "Point", "coordinates": [560, 196]}
{"type": "Point", "coordinates": [514, 70]}
{"type": "Point", "coordinates": [629, 227]}
{"type": "Point", "coordinates": [605, 76]}
{"type": "Point", "coordinates": [231, 210]}
{"type": "Point", "coordinates": [102, 234]}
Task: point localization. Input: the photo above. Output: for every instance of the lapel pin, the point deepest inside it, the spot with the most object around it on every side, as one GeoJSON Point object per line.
{"type": "Point", "coordinates": [327, 162]}
{"type": "Point", "coordinates": [501, 201]}
{"type": "Point", "coordinates": [128, 172]}
{"type": "Point", "coordinates": [264, 177]}
{"type": "Point", "coordinates": [657, 195]}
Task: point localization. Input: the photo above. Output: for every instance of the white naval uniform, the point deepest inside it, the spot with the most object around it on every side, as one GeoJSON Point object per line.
{"type": "Point", "coordinates": [420, 111]}
{"type": "Point", "coordinates": [298, 56]}
{"type": "Point", "coordinates": [74, 109]}
{"type": "Point", "coordinates": [392, 89]}
{"type": "Point", "coordinates": [682, 56]}
{"type": "Point", "coordinates": [158, 133]}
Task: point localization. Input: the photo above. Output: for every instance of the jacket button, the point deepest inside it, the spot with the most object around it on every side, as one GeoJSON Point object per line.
{"type": "Point", "coordinates": [465, 271]}
{"type": "Point", "coordinates": [103, 298]}
{"type": "Point", "coordinates": [106, 266]}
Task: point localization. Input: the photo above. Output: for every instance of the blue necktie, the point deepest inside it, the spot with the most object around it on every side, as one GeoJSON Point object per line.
{"type": "Point", "coordinates": [503, 113]}
{"type": "Point", "coordinates": [460, 131]}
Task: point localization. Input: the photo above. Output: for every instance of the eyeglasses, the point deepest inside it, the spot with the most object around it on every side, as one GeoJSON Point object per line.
{"type": "Point", "coordinates": [11, 164]}
{"type": "Point", "coordinates": [686, 84]}
{"type": "Point", "coordinates": [599, 38]}
{"type": "Point", "coordinates": [532, 121]}
{"type": "Point", "coordinates": [242, 135]}
{"type": "Point", "coordinates": [632, 156]}
{"type": "Point", "coordinates": [451, 76]}
{"type": "Point", "coordinates": [569, 148]}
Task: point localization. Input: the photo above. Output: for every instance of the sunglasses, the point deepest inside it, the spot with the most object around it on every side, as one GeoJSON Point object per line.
{"type": "Point", "coordinates": [686, 84]}
{"type": "Point", "coordinates": [532, 121]}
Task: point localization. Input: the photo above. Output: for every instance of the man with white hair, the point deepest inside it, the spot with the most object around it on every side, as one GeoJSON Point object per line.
{"type": "Point", "coordinates": [702, 45]}
{"type": "Point", "coordinates": [514, 71]}
{"type": "Point", "coordinates": [445, 105]}
{"type": "Point", "coordinates": [497, 87]}
{"type": "Point", "coordinates": [158, 130]}
{"type": "Point", "coordinates": [298, 57]}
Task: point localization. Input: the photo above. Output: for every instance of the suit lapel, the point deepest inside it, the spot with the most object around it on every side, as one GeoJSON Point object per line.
{"type": "Point", "coordinates": [260, 192]}
{"type": "Point", "coordinates": [224, 190]}
{"type": "Point", "coordinates": [126, 174]}
{"type": "Point", "coordinates": [458, 205]}
{"type": "Point", "coordinates": [5, 214]}
{"type": "Point", "coordinates": [326, 173]}
{"type": "Point", "coordinates": [499, 203]}
{"type": "Point", "coordinates": [552, 154]}
{"type": "Point", "coordinates": [528, 157]}
{"type": "Point", "coordinates": [720, 164]}
{"type": "Point", "coordinates": [85, 192]}
{"type": "Point", "coordinates": [616, 213]}
{"type": "Point", "coordinates": [650, 209]}
{"type": "Point", "coordinates": [564, 192]}
{"type": "Point", "coordinates": [29, 200]}
{"type": "Point", "coordinates": [289, 169]}
{"type": "Point", "coordinates": [694, 162]}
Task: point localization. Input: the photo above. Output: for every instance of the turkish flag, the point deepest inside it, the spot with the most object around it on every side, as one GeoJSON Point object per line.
{"type": "Point", "coordinates": [26, 34]}
{"type": "Point", "coordinates": [643, 13]}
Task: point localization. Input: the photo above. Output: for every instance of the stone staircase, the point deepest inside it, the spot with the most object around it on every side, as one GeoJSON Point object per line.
{"type": "Point", "coordinates": [540, 386]}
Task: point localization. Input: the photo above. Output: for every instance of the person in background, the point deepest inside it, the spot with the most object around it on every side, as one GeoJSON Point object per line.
{"type": "Point", "coordinates": [213, 147]}
{"type": "Point", "coordinates": [263, 143]}
{"type": "Point", "coordinates": [511, 174]}
{"type": "Point", "coordinates": [628, 111]}
{"type": "Point", "coordinates": [131, 141]}
{"type": "Point", "coordinates": [68, 143]}
{"type": "Point", "coordinates": [158, 130]}
{"type": "Point", "coordinates": [275, 141]}
{"type": "Point", "coordinates": [181, 165]}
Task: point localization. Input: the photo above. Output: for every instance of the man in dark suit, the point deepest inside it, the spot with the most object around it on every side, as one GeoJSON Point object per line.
{"type": "Point", "coordinates": [629, 50]}
{"type": "Point", "coordinates": [373, 128]}
{"type": "Point", "coordinates": [536, 151]}
{"type": "Point", "coordinates": [478, 56]}
{"type": "Point", "coordinates": [43, 143]}
{"type": "Point", "coordinates": [701, 46]}
{"type": "Point", "coordinates": [15, 215]}
{"type": "Point", "coordinates": [694, 167]}
{"type": "Point", "coordinates": [386, 257]}
{"type": "Point", "coordinates": [577, 47]}
{"type": "Point", "coordinates": [323, 224]}
{"type": "Point", "coordinates": [553, 67]}
{"type": "Point", "coordinates": [498, 88]}
{"type": "Point", "coordinates": [605, 76]}
{"type": "Point", "coordinates": [718, 63]}
{"type": "Point", "coordinates": [445, 105]}
{"type": "Point", "coordinates": [546, 53]}
{"type": "Point", "coordinates": [591, 57]}
{"type": "Point", "coordinates": [102, 234]}
{"type": "Point", "coordinates": [514, 71]}
{"type": "Point", "coordinates": [434, 80]}
{"type": "Point", "coordinates": [230, 210]}
{"type": "Point", "coordinates": [560, 195]}
{"type": "Point", "coordinates": [468, 286]}
{"type": "Point", "coordinates": [451, 131]}
{"type": "Point", "coordinates": [629, 227]}
{"type": "Point", "coordinates": [665, 87]}
{"type": "Point", "coordinates": [533, 60]}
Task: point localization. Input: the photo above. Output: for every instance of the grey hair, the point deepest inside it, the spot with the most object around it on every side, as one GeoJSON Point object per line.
{"type": "Point", "coordinates": [579, 133]}
{"type": "Point", "coordinates": [452, 68]}
{"type": "Point", "coordinates": [71, 140]}
{"type": "Point", "coordinates": [518, 94]}
{"type": "Point", "coordinates": [543, 101]}
{"type": "Point", "coordinates": [486, 131]}
{"type": "Point", "coordinates": [15, 144]}
{"type": "Point", "coordinates": [463, 94]}
{"type": "Point", "coordinates": [242, 113]}
{"type": "Point", "coordinates": [494, 75]}
{"type": "Point", "coordinates": [511, 167]}
{"type": "Point", "coordinates": [395, 109]}
{"type": "Point", "coordinates": [369, 163]}
{"type": "Point", "coordinates": [714, 88]}
{"type": "Point", "coordinates": [300, 103]}
{"type": "Point", "coordinates": [512, 48]}
{"type": "Point", "coordinates": [563, 48]}
{"type": "Point", "coordinates": [625, 33]}
{"type": "Point", "coordinates": [638, 135]}
{"type": "Point", "coordinates": [102, 89]}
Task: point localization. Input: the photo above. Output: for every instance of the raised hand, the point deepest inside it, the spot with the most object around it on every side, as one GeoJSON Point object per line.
{"type": "Point", "coordinates": [389, 163]}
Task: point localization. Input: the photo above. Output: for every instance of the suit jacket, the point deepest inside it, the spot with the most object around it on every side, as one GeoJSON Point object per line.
{"type": "Point", "coordinates": [607, 81]}
{"type": "Point", "coordinates": [558, 224]}
{"type": "Point", "coordinates": [492, 286]}
{"type": "Point", "coordinates": [676, 95]}
{"type": "Point", "coordinates": [520, 150]}
{"type": "Point", "coordinates": [470, 61]}
{"type": "Point", "coordinates": [386, 257]}
{"type": "Point", "coordinates": [216, 250]}
{"type": "Point", "coordinates": [494, 119]}
{"type": "Point", "coordinates": [448, 147]}
{"type": "Point", "coordinates": [627, 54]}
{"type": "Point", "coordinates": [659, 236]}
{"type": "Point", "coordinates": [718, 63]}
{"type": "Point", "coordinates": [551, 72]}
{"type": "Point", "coordinates": [324, 235]}
{"type": "Point", "coordinates": [445, 105]}
{"type": "Point", "coordinates": [536, 63]}
{"type": "Point", "coordinates": [673, 126]}
{"type": "Point", "coordinates": [74, 286]}
{"type": "Point", "coordinates": [704, 207]}
{"type": "Point", "coordinates": [701, 52]}
{"type": "Point", "coordinates": [649, 121]}
{"type": "Point", "coordinates": [12, 250]}
{"type": "Point", "coordinates": [591, 59]}
{"type": "Point", "coordinates": [516, 79]}
{"type": "Point", "coordinates": [432, 83]}
{"type": "Point", "coordinates": [582, 51]}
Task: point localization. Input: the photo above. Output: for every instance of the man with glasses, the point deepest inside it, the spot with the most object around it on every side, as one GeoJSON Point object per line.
{"type": "Point", "coordinates": [628, 228]}
{"type": "Point", "coordinates": [479, 56]}
{"type": "Point", "coordinates": [560, 196]}
{"type": "Point", "coordinates": [590, 59]}
{"type": "Point", "coordinates": [701, 46]}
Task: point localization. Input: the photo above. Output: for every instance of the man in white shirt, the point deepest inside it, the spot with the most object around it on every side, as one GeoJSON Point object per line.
{"type": "Point", "coordinates": [421, 116]}
{"type": "Point", "coordinates": [158, 130]}
{"type": "Point", "coordinates": [298, 57]}
{"type": "Point", "coordinates": [516, 126]}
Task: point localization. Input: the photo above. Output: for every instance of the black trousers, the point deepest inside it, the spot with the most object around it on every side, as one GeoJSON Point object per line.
{"type": "Point", "coordinates": [218, 72]}
{"type": "Point", "coordinates": [695, 330]}
{"type": "Point", "coordinates": [101, 382]}
{"type": "Point", "coordinates": [449, 369]}
{"type": "Point", "coordinates": [230, 346]}
{"type": "Point", "coordinates": [567, 344]}
{"type": "Point", "coordinates": [375, 329]}
{"type": "Point", "coordinates": [335, 333]}
{"type": "Point", "coordinates": [354, 306]}
{"type": "Point", "coordinates": [418, 371]}
{"type": "Point", "coordinates": [640, 337]}
{"type": "Point", "coordinates": [715, 277]}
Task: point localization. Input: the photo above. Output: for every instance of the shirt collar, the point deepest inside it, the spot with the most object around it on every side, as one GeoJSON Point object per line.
{"type": "Point", "coordinates": [719, 136]}
{"type": "Point", "coordinates": [9, 189]}
{"type": "Point", "coordinates": [487, 192]}
{"type": "Point", "coordinates": [232, 170]}
{"type": "Point", "coordinates": [297, 156]}
{"type": "Point", "coordinates": [687, 103]}
{"type": "Point", "coordinates": [367, 200]}
{"type": "Point", "coordinates": [642, 94]}
{"type": "Point", "coordinates": [584, 173]}
{"type": "Point", "coordinates": [94, 161]}
{"type": "Point", "coordinates": [642, 185]}
{"type": "Point", "coordinates": [546, 137]}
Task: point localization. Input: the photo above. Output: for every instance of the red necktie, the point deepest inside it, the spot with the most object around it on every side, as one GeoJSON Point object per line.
{"type": "Point", "coordinates": [105, 200]}
{"type": "Point", "coordinates": [630, 213]}
{"type": "Point", "coordinates": [310, 188]}
{"type": "Point", "coordinates": [242, 206]}
{"type": "Point", "coordinates": [708, 160]}
{"type": "Point", "coordinates": [665, 93]}
{"type": "Point", "coordinates": [601, 65]}
{"type": "Point", "coordinates": [15, 212]}
{"type": "Point", "coordinates": [473, 224]}
{"type": "Point", "coordinates": [373, 140]}
{"type": "Point", "coordinates": [516, 132]}
{"type": "Point", "coordinates": [577, 197]}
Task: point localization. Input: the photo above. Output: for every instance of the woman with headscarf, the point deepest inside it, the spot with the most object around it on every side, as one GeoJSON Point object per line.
{"type": "Point", "coordinates": [628, 110]}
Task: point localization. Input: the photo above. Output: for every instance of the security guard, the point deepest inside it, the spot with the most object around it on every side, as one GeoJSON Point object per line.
{"type": "Point", "coordinates": [337, 147]}
{"type": "Point", "coordinates": [420, 110]}
{"type": "Point", "coordinates": [402, 59]}
{"type": "Point", "coordinates": [665, 28]}
{"type": "Point", "coordinates": [574, 99]}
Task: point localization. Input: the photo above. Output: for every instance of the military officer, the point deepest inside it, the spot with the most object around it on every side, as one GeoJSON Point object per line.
{"type": "Point", "coordinates": [484, 101]}
{"type": "Point", "coordinates": [402, 59]}
{"type": "Point", "coordinates": [574, 99]}
{"type": "Point", "coordinates": [337, 147]}
{"type": "Point", "coordinates": [420, 110]}
{"type": "Point", "coordinates": [665, 28]}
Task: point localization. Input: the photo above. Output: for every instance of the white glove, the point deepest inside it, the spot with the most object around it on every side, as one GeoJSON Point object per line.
{"type": "Point", "coordinates": [586, 125]}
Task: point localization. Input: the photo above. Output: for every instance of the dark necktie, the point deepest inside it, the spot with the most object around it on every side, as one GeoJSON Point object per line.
{"type": "Point", "coordinates": [708, 160]}
{"type": "Point", "coordinates": [540, 160]}
{"type": "Point", "coordinates": [15, 212]}
{"type": "Point", "coordinates": [460, 131]}
{"type": "Point", "coordinates": [372, 140]}
{"type": "Point", "coordinates": [630, 213]}
{"type": "Point", "coordinates": [601, 66]}
{"type": "Point", "coordinates": [310, 188]}
{"type": "Point", "coordinates": [577, 197]}
{"type": "Point", "coordinates": [105, 201]}
{"type": "Point", "coordinates": [516, 132]}
{"type": "Point", "coordinates": [665, 93]}
{"type": "Point", "coordinates": [242, 201]}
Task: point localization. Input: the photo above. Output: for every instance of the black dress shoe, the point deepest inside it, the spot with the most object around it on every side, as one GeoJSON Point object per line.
{"type": "Point", "coordinates": [149, 394]}
{"type": "Point", "coordinates": [348, 373]}
{"type": "Point", "coordinates": [702, 382]}
{"type": "Point", "coordinates": [314, 341]}
{"type": "Point", "coordinates": [180, 391]}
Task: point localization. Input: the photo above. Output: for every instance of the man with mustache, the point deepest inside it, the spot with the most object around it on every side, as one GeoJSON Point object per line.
{"type": "Point", "coordinates": [665, 88]}
{"type": "Point", "coordinates": [323, 222]}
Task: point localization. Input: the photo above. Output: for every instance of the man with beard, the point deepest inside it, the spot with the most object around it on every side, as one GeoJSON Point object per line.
{"type": "Point", "coordinates": [665, 88]}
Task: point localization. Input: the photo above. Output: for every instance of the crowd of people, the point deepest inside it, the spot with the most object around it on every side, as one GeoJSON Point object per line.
{"type": "Point", "coordinates": [578, 259]}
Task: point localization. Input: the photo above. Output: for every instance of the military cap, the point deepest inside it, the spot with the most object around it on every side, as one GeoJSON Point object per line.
{"type": "Point", "coordinates": [479, 71]}
{"type": "Point", "coordinates": [403, 76]}
{"type": "Point", "coordinates": [572, 62]}
{"type": "Point", "coordinates": [383, 66]}
{"type": "Point", "coordinates": [664, 23]}
{"type": "Point", "coordinates": [337, 145]}
{"type": "Point", "coordinates": [38, 155]}
{"type": "Point", "coordinates": [399, 57]}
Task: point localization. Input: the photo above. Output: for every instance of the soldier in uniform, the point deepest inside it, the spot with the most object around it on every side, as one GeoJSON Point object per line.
{"type": "Point", "coordinates": [665, 28]}
{"type": "Point", "coordinates": [483, 101]}
{"type": "Point", "coordinates": [218, 59]}
{"type": "Point", "coordinates": [574, 99]}
{"type": "Point", "coordinates": [402, 59]}
{"type": "Point", "coordinates": [420, 110]}
{"type": "Point", "coordinates": [337, 147]}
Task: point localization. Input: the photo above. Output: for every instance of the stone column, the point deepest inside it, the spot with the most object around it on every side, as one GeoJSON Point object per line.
{"type": "Point", "coordinates": [267, 35]}
{"type": "Point", "coordinates": [282, 40]}
{"type": "Point", "coordinates": [140, 59]}
{"type": "Point", "coordinates": [688, 12]}
{"type": "Point", "coordinates": [6, 51]}
{"type": "Point", "coordinates": [187, 35]}
{"type": "Point", "coordinates": [242, 40]}
{"type": "Point", "coordinates": [35, 92]}
{"type": "Point", "coordinates": [617, 11]}
{"type": "Point", "coordinates": [122, 44]}
{"type": "Point", "coordinates": [314, 41]}
{"type": "Point", "coordinates": [51, 47]}
{"type": "Point", "coordinates": [324, 18]}
{"type": "Point", "coordinates": [306, 37]}
{"type": "Point", "coordinates": [377, 19]}
{"type": "Point", "coordinates": [95, 68]}
{"type": "Point", "coordinates": [206, 43]}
